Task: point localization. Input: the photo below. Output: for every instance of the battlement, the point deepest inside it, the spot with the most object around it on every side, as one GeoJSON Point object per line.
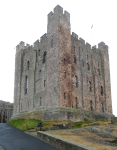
{"type": "Point", "coordinates": [36, 43]}
{"type": "Point", "coordinates": [58, 11]}
{"type": "Point", "coordinates": [102, 45]}
{"type": "Point", "coordinates": [43, 37]}
{"type": "Point", "coordinates": [74, 35]}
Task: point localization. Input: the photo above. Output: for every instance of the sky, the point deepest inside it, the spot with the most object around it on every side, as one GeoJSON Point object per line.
{"type": "Point", "coordinates": [26, 20]}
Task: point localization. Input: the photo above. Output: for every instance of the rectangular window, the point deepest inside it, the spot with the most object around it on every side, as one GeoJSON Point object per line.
{"type": "Point", "coordinates": [26, 86]}
{"type": "Point", "coordinates": [44, 83]}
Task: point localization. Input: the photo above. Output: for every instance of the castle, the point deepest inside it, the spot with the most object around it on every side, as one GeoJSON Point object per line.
{"type": "Point", "coordinates": [60, 76]}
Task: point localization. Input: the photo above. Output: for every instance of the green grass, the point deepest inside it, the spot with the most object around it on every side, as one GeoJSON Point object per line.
{"type": "Point", "coordinates": [21, 123]}
{"type": "Point", "coordinates": [80, 124]}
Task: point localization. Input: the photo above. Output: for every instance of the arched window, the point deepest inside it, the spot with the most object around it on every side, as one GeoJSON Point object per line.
{"type": "Point", "coordinates": [89, 86]}
{"type": "Point", "coordinates": [28, 65]}
{"type": "Point", "coordinates": [44, 57]}
{"type": "Point", "coordinates": [88, 67]}
{"type": "Point", "coordinates": [98, 72]}
{"type": "Point", "coordinates": [64, 61]}
{"type": "Point", "coordinates": [26, 86]}
{"type": "Point", "coordinates": [102, 107]}
{"type": "Point", "coordinates": [76, 81]}
{"type": "Point", "coordinates": [101, 90]}
{"type": "Point", "coordinates": [52, 43]}
{"type": "Point", "coordinates": [91, 105]}
{"type": "Point", "coordinates": [39, 52]}
{"type": "Point", "coordinates": [76, 102]}
{"type": "Point", "coordinates": [64, 95]}
{"type": "Point", "coordinates": [74, 59]}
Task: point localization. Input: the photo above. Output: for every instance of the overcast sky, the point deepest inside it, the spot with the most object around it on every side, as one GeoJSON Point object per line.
{"type": "Point", "coordinates": [26, 20]}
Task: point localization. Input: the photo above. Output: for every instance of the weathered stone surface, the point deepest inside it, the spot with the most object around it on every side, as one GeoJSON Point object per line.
{"type": "Point", "coordinates": [114, 120]}
{"type": "Point", "coordinates": [6, 110]}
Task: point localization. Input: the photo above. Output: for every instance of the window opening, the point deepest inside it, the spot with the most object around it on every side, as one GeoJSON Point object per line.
{"type": "Point", "coordinates": [64, 95]}
{"type": "Point", "coordinates": [40, 72]}
{"type": "Point", "coordinates": [26, 87]}
{"type": "Point", "coordinates": [52, 43]}
{"type": "Point", "coordinates": [39, 52]}
{"type": "Point", "coordinates": [65, 74]}
{"type": "Point", "coordinates": [101, 90]}
{"type": "Point", "coordinates": [44, 83]}
{"type": "Point", "coordinates": [74, 59]}
{"type": "Point", "coordinates": [64, 61]}
{"type": "Point", "coordinates": [89, 86]}
{"type": "Point", "coordinates": [76, 81]}
{"type": "Point", "coordinates": [44, 57]}
{"type": "Point", "coordinates": [91, 105]}
{"type": "Point", "coordinates": [98, 72]}
{"type": "Point", "coordinates": [76, 102]}
{"type": "Point", "coordinates": [28, 64]}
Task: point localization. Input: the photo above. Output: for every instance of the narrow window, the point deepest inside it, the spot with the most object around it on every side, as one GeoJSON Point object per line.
{"type": "Point", "coordinates": [98, 72]}
{"type": "Point", "coordinates": [52, 43]}
{"type": "Point", "coordinates": [102, 107]}
{"type": "Point", "coordinates": [40, 101]}
{"type": "Point", "coordinates": [101, 90]}
{"type": "Point", "coordinates": [74, 49]}
{"type": "Point", "coordinates": [74, 59]}
{"type": "Point", "coordinates": [76, 102]}
{"type": "Point", "coordinates": [91, 105]}
{"type": "Point", "coordinates": [26, 86]}
{"type": "Point", "coordinates": [87, 57]}
{"type": "Point", "coordinates": [44, 83]}
{"type": "Point", "coordinates": [28, 65]}
{"type": "Point", "coordinates": [65, 74]}
{"type": "Point", "coordinates": [89, 86]}
{"type": "Point", "coordinates": [40, 72]}
{"type": "Point", "coordinates": [76, 81]}
{"type": "Point", "coordinates": [39, 52]}
{"type": "Point", "coordinates": [64, 61]}
{"type": "Point", "coordinates": [44, 57]}
{"type": "Point", "coordinates": [64, 96]}
{"type": "Point", "coordinates": [88, 67]}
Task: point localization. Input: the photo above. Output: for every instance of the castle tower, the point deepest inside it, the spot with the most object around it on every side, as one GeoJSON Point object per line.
{"type": "Point", "coordinates": [59, 58]}
{"type": "Point", "coordinates": [61, 77]}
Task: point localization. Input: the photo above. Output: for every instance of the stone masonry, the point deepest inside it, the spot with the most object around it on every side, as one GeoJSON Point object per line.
{"type": "Point", "coordinates": [60, 72]}
{"type": "Point", "coordinates": [6, 111]}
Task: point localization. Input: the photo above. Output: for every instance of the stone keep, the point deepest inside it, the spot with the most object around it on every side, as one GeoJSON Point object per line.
{"type": "Point", "coordinates": [60, 76]}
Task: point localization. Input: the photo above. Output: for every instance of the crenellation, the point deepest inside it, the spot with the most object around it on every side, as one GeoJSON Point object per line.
{"type": "Point", "coordinates": [82, 40]}
{"type": "Point", "coordinates": [75, 35]}
{"type": "Point", "coordinates": [36, 43]}
{"type": "Point", "coordinates": [27, 45]}
{"type": "Point", "coordinates": [88, 45]}
{"type": "Point", "coordinates": [43, 37]}
{"type": "Point", "coordinates": [58, 10]}
{"type": "Point", "coordinates": [67, 16]}
{"type": "Point", "coordinates": [101, 44]}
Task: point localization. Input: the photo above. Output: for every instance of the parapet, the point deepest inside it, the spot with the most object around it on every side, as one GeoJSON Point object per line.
{"type": "Point", "coordinates": [58, 10]}
{"type": "Point", "coordinates": [43, 37]}
{"type": "Point", "coordinates": [82, 41]}
{"type": "Point", "coordinates": [36, 43]}
{"type": "Point", "coordinates": [74, 35]}
{"type": "Point", "coordinates": [20, 46]}
{"type": "Point", "coordinates": [88, 45]}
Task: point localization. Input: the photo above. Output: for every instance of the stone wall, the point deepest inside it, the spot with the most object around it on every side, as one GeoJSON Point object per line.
{"type": "Point", "coordinates": [61, 143]}
{"type": "Point", "coordinates": [6, 111]}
